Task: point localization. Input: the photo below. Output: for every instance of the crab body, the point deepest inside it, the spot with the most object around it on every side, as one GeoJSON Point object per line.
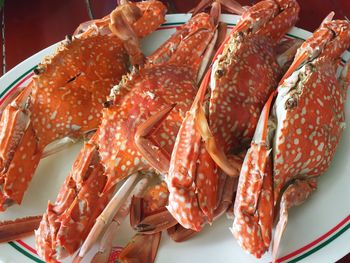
{"type": "Point", "coordinates": [310, 117]}
{"type": "Point", "coordinates": [151, 88]}
{"type": "Point", "coordinates": [239, 90]}
{"type": "Point", "coordinates": [294, 144]}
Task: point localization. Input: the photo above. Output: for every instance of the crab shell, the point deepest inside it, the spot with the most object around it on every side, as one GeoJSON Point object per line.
{"type": "Point", "coordinates": [309, 112]}
{"type": "Point", "coordinates": [69, 92]}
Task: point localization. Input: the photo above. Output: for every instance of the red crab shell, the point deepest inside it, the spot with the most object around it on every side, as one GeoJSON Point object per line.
{"type": "Point", "coordinates": [309, 132]}
{"type": "Point", "coordinates": [168, 78]}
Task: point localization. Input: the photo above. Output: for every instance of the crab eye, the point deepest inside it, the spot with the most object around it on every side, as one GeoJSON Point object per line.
{"type": "Point", "coordinates": [219, 73]}
{"type": "Point", "coordinates": [291, 103]}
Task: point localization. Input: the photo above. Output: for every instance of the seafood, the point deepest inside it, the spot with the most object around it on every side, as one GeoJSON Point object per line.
{"type": "Point", "coordinates": [65, 97]}
{"type": "Point", "coordinates": [159, 218]}
{"type": "Point", "coordinates": [295, 139]}
{"type": "Point", "coordinates": [145, 207]}
{"type": "Point", "coordinates": [145, 111]}
{"type": "Point", "coordinates": [166, 83]}
{"type": "Point", "coordinates": [149, 214]}
{"type": "Point", "coordinates": [244, 73]}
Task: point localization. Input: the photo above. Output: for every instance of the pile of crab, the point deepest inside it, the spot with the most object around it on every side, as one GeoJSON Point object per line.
{"type": "Point", "coordinates": [203, 126]}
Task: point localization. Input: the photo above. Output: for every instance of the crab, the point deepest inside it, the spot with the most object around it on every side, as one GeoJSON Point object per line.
{"type": "Point", "coordinates": [244, 72]}
{"type": "Point", "coordinates": [65, 97]}
{"type": "Point", "coordinates": [166, 83]}
{"type": "Point", "coordinates": [295, 140]}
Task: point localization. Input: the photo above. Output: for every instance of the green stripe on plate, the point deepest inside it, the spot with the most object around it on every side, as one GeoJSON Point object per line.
{"type": "Point", "coordinates": [21, 250]}
{"type": "Point", "coordinates": [173, 24]}
{"type": "Point", "coordinates": [290, 35]}
{"type": "Point", "coordinates": [325, 243]}
{"type": "Point", "coordinates": [16, 80]}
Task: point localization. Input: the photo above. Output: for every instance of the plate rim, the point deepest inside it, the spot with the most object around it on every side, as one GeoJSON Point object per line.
{"type": "Point", "coordinates": [174, 20]}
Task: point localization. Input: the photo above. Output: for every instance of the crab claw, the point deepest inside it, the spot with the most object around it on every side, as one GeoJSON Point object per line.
{"type": "Point", "coordinates": [107, 214]}
{"type": "Point", "coordinates": [329, 40]}
{"type": "Point", "coordinates": [19, 151]}
{"type": "Point", "coordinates": [105, 244]}
{"type": "Point", "coordinates": [253, 207]}
{"type": "Point", "coordinates": [121, 21]}
{"type": "Point", "coordinates": [142, 248]}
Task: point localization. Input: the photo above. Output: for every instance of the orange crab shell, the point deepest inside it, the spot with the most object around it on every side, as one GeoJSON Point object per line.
{"type": "Point", "coordinates": [155, 198]}
{"type": "Point", "coordinates": [310, 131]}
{"type": "Point", "coordinates": [73, 84]}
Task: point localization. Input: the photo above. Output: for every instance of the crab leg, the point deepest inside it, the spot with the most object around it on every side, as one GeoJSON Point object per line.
{"type": "Point", "coordinates": [142, 248]}
{"type": "Point", "coordinates": [76, 200]}
{"type": "Point", "coordinates": [153, 154]}
{"type": "Point", "coordinates": [9, 99]}
{"type": "Point", "coordinates": [12, 230]}
{"type": "Point", "coordinates": [230, 5]}
{"type": "Point", "coordinates": [104, 218]}
{"type": "Point", "coordinates": [254, 213]}
{"type": "Point", "coordinates": [106, 241]}
{"type": "Point", "coordinates": [344, 79]}
{"type": "Point", "coordinates": [147, 216]}
{"type": "Point", "coordinates": [19, 151]}
{"type": "Point", "coordinates": [295, 194]}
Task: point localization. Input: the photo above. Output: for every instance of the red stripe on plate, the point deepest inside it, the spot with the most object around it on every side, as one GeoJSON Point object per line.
{"type": "Point", "coordinates": [15, 87]}
{"type": "Point", "coordinates": [25, 245]}
{"type": "Point", "coordinates": [313, 243]}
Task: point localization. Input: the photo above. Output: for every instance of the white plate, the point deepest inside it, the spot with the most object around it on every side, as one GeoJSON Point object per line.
{"type": "Point", "coordinates": [317, 231]}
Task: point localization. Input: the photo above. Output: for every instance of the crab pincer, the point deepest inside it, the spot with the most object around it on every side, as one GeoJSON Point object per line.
{"type": "Point", "coordinates": [295, 140]}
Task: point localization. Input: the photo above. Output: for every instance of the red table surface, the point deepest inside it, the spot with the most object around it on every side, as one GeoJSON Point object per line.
{"type": "Point", "coordinates": [30, 26]}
